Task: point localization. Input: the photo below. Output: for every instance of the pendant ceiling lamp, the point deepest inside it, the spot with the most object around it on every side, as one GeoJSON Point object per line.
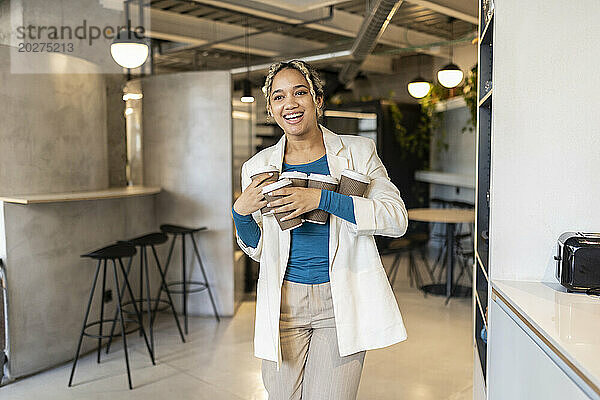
{"type": "Point", "coordinates": [247, 92]}
{"type": "Point", "coordinates": [247, 86]}
{"type": "Point", "coordinates": [129, 50]}
{"type": "Point", "coordinates": [419, 87]}
{"type": "Point", "coordinates": [451, 75]}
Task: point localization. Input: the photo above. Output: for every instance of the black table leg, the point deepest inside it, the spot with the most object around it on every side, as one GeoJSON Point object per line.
{"type": "Point", "coordinates": [450, 227]}
{"type": "Point", "coordinates": [448, 288]}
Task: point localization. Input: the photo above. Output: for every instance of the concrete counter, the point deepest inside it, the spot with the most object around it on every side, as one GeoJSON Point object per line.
{"type": "Point", "coordinates": [110, 193]}
{"type": "Point", "coordinates": [47, 281]}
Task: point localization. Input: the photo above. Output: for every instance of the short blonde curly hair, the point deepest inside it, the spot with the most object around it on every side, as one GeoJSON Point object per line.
{"type": "Point", "coordinates": [315, 84]}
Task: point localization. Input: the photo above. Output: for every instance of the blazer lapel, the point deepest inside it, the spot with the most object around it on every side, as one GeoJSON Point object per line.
{"type": "Point", "coordinates": [336, 163]}
{"type": "Point", "coordinates": [284, 252]}
{"type": "Point", "coordinates": [276, 157]}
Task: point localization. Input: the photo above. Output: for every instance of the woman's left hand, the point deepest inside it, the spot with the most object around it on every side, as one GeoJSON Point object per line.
{"type": "Point", "coordinates": [299, 200]}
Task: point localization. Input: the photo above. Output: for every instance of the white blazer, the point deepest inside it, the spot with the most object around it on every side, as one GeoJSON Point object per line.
{"type": "Point", "coordinates": [365, 309]}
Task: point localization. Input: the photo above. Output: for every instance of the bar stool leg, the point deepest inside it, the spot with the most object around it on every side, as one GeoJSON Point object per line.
{"type": "Point", "coordinates": [415, 270]}
{"type": "Point", "coordinates": [101, 311]}
{"type": "Point", "coordinates": [87, 313]}
{"type": "Point", "coordinates": [205, 278]}
{"type": "Point", "coordinates": [154, 310]}
{"type": "Point", "coordinates": [141, 279]}
{"type": "Point", "coordinates": [426, 263]}
{"type": "Point", "coordinates": [114, 320]}
{"type": "Point", "coordinates": [443, 265]}
{"type": "Point", "coordinates": [148, 306]}
{"type": "Point", "coordinates": [164, 284]}
{"type": "Point", "coordinates": [137, 312]}
{"type": "Point", "coordinates": [468, 268]}
{"type": "Point", "coordinates": [185, 315]}
{"type": "Point", "coordinates": [394, 269]}
{"type": "Point", "coordinates": [122, 320]}
{"type": "Point", "coordinates": [410, 271]}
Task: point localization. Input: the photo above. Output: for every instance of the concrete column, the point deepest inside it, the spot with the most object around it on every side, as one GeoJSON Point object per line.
{"type": "Point", "coordinates": [187, 147]}
{"type": "Point", "coordinates": [53, 136]}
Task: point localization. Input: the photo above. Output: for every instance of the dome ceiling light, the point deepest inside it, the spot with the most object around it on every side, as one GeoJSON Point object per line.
{"type": "Point", "coordinates": [128, 50]}
{"type": "Point", "coordinates": [419, 87]}
{"type": "Point", "coordinates": [451, 75]}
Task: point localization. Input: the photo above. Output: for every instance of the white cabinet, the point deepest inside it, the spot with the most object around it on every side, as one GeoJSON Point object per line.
{"type": "Point", "coordinates": [518, 368]}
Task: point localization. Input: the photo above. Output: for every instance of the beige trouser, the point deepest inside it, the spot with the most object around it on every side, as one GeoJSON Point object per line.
{"type": "Point", "coordinates": [312, 368]}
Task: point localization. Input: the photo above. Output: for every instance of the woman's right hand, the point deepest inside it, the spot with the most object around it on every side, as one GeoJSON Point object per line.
{"type": "Point", "coordinates": [252, 198]}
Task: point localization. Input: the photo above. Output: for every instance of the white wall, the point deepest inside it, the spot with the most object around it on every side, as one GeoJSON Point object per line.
{"type": "Point", "coordinates": [459, 158]}
{"type": "Point", "coordinates": [545, 153]}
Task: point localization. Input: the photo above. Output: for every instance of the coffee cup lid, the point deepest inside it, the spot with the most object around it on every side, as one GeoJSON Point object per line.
{"type": "Point", "coordinates": [276, 185]}
{"type": "Point", "coordinates": [263, 169]}
{"type": "Point", "coordinates": [294, 175]}
{"type": "Point", "coordinates": [357, 176]}
{"type": "Point", "coordinates": [323, 178]}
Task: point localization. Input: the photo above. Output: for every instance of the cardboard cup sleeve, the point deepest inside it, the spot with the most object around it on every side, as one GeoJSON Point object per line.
{"type": "Point", "coordinates": [290, 223]}
{"type": "Point", "coordinates": [319, 181]}
{"type": "Point", "coordinates": [353, 183]}
{"type": "Point", "coordinates": [260, 174]}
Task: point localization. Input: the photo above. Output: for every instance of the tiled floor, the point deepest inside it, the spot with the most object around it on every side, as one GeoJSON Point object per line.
{"type": "Point", "coordinates": [216, 363]}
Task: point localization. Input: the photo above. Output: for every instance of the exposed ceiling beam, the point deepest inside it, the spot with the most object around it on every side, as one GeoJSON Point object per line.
{"type": "Point", "coordinates": [263, 10]}
{"type": "Point", "coordinates": [274, 28]}
{"type": "Point", "coordinates": [196, 31]}
{"type": "Point", "coordinates": [373, 27]}
{"type": "Point", "coordinates": [442, 9]}
{"type": "Point", "coordinates": [343, 23]}
{"type": "Point", "coordinates": [373, 63]}
{"type": "Point", "coordinates": [301, 6]}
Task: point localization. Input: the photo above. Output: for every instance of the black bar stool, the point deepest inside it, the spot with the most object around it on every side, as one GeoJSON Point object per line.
{"type": "Point", "coordinates": [408, 244]}
{"type": "Point", "coordinates": [112, 252]}
{"type": "Point", "coordinates": [186, 286]}
{"type": "Point", "coordinates": [143, 242]}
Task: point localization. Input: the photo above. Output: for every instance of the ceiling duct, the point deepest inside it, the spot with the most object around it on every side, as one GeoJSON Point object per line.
{"type": "Point", "coordinates": [371, 30]}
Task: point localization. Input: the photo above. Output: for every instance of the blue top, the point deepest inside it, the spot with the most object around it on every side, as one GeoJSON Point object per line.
{"type": "Point", "coordinates": [309, 249]}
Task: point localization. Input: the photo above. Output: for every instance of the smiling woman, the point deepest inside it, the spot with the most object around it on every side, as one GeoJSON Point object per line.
{"type": "Point", "coordinates": [313, 269]}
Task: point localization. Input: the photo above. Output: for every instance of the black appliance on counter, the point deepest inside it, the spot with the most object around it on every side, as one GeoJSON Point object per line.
{"type": "Point", "coordinates": [578, 262]}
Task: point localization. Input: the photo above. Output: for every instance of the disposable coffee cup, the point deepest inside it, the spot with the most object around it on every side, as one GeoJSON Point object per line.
{"type": "Point", "coordinates": [353, 183]}
{"type": "Point", "coordinates": [299, 179]}
{"type": "Point", "coordinates": [319, 181]}
{"type": "Point", "coordinates": [290, 223]}
{"type": "Point", "coordinates": [260, 173]}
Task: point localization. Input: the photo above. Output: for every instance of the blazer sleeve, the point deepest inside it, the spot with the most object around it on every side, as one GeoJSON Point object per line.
{"type": "Point", "coordinates": [253, 252]}
{"type": "Point", "coordinates": [382, 210]}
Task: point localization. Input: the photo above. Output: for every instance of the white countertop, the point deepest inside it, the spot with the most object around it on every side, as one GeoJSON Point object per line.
{"type": "Point", "coordinates": [110, 193]}
{"type": "Point", "coordinates": [446, 178]}
{"type": "Point", "coordinates": [569, 321]}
